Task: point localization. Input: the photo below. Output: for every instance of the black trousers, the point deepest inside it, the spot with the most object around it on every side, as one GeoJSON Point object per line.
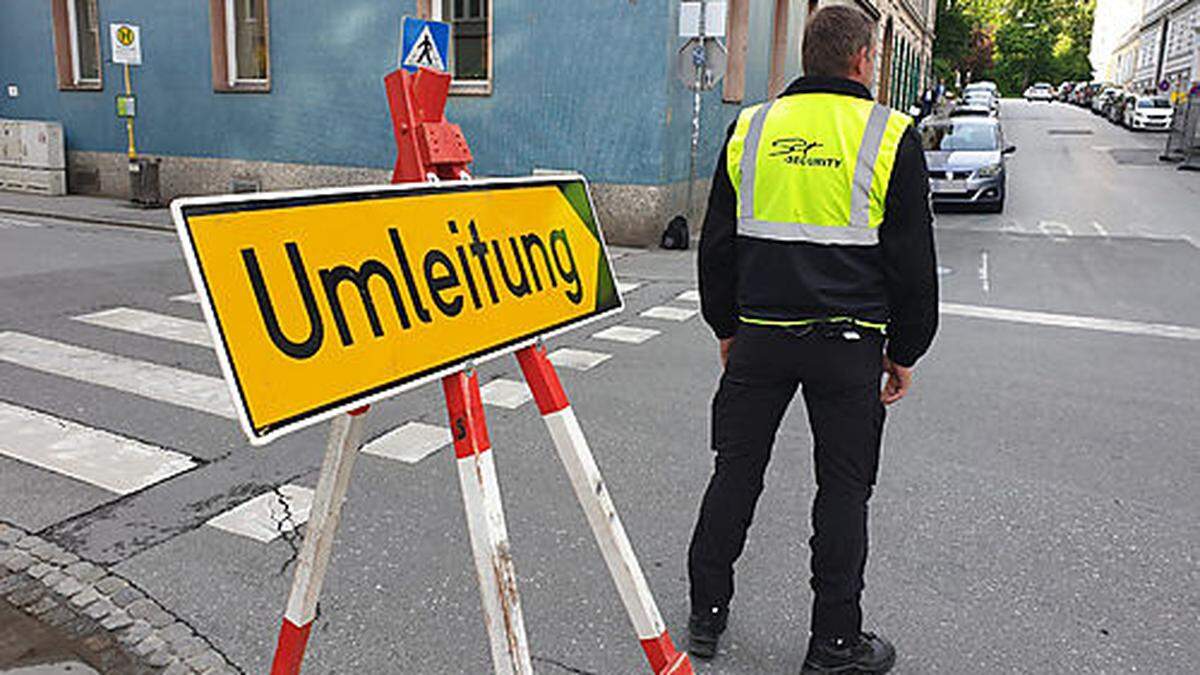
{"type": "Point", "coordinates": [840, 380]}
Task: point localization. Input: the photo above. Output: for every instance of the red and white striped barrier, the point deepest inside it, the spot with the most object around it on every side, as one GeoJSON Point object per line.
{"type": "Point", "coordinates": [345, 439]}
{"type": "Point", "coordinates": [485, 524]}
{"type": "Point", "coordinates": [593, 496]}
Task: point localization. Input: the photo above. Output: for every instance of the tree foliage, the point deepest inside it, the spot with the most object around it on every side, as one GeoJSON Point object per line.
{"type": "Point", "coordinates": [1014, 42]}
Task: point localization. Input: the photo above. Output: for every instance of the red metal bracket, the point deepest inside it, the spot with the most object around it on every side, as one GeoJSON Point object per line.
{"type": "Point", "coordinates": [426, 143]}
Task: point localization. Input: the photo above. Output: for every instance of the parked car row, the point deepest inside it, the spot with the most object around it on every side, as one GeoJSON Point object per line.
{"type": "Point", "coordinates": [965, 151]}
{"type": "Point", "coordinates": [1119, 106]}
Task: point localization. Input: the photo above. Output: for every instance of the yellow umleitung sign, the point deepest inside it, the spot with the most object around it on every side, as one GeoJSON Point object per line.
{"type": "Point", "coordinates": [321, 301]}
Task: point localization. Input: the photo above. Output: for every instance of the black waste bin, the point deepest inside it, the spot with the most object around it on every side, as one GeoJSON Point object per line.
{"type": "Point", "coordinates": [143, 181]}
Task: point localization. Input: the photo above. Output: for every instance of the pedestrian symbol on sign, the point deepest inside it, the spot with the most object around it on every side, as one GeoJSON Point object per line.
{"type": "Point", "coordinates": [425, 44]}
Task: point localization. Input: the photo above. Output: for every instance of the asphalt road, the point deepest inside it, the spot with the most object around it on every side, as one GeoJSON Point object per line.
{"type": "Point", "coordinates": [1037, 503]}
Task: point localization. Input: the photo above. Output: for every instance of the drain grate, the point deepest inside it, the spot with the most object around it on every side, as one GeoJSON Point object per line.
{"type": "Point", "coordinates": [1135, 156]}
{"type": "Point", "coordinates": [1070, 132]}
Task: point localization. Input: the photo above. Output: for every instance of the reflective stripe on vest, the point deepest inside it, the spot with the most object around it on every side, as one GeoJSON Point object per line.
{"type": "Point", "coordinates": [822, 202]}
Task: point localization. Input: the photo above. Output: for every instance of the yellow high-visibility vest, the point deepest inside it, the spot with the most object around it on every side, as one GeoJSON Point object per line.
{"type": "Point", "coordinates": [814, 167]}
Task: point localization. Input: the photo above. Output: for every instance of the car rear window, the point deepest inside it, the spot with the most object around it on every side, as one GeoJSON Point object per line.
{"type": "Point", "coordinates": [959, 136]}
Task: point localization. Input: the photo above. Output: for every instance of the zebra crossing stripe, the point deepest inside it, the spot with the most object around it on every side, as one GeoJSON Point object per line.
{"type": "Point", "coordinates": [629, 334]}
{"type": "Point", "coordinates": [142, 378]}
{"type": "Point", "coordinates": [669, 313]}
{"type": "Point", "coordinates": [267, 516]}
{"type": "Point", "coordinates": [505, 394]}
{"type": "Point", "coordinates": [410, 443]}
{"type": "Point", "coordinates": [150, 323]}
{"type": "Point", "coordinates": [577, 359]}
{"type": "Point", "coordinates": [114, 463]}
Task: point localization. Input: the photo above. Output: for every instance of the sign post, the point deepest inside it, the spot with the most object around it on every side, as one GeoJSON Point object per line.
{"type": "Point", "coordinates": [700, 65]}
{"type": "Point", "coordinates": [126, 42]}
{"type": "Point", "coordinates": [313, 320]}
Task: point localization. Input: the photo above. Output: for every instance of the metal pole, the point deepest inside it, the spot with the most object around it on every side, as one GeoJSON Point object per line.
{"type": "Point", "coordinates": [129, 120]}
{"type": "Point", "coordinates": [698, 59]}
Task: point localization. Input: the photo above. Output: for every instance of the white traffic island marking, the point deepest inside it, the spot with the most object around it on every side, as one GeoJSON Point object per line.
{"type": "Point", "coordinates": [114, 463]}
{"type": "Point", "coordinates": [577, 359]}
{"type": "Point", "coordinates": [629, 334]}
{"type": "Point", "coordinates": [149, 380]}
{"type": "Point", "coordinates": [149, 323]}
{"type": "Point", "coordinates": [410, 442]}
{"type": "Point", "coordinates": [264, 518]}
{"type": "Point", "coordinates": [624, 287]}
{"type": "Point", "coordinates": [187, 297]}
{"type": "Point", "coordinates": [669, 313]}
{"type": "Point", "coordinates": [505, 394]}
{"type": "Point", "coordinates": [6, 223]}
{"type": "Point", "coordinates": [689, 296]}
{"type": "Point", "coordinates": [1162, 330]}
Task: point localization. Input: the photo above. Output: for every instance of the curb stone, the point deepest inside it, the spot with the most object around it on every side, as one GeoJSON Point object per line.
{"type": "Point", "coordinates": [103, 609]}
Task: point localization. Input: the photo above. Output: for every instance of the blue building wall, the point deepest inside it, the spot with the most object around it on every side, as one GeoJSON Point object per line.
{"type": "Point", "coordinates": [716, 115]}
{"type": "Point", "coordinates": [585, 85]}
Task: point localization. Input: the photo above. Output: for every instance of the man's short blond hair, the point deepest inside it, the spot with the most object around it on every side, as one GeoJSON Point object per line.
{"type": "Point", "coordinates": [833, 36]}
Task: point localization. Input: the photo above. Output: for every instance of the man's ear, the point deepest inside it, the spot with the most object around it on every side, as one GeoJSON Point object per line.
{"type": "Point", "coordinates": [860, 62]}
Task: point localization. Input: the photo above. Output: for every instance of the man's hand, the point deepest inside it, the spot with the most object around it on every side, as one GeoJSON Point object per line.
{"type": "Point", "coordinates": [726, 343]}
{"type": "Point", "coordinates": [899, 379]}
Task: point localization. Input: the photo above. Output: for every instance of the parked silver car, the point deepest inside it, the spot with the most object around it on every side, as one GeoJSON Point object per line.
{"type": "Point", "coordinates": [965, 156]}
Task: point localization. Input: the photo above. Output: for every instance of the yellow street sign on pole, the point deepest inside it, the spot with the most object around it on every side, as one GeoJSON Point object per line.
{"type": "Point", "coordinates": [321, 301]}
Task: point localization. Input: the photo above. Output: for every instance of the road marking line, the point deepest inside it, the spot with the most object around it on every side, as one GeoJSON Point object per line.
{"type": "Point", "coordinates": [577, 359]}
{"type": "Point", "coordinates": [505, 394]}
{"type": "Point", "coordinates": [669, 313]}
{"type": "Point", "coordinates": [149, 323]}
{"type": "Point", "coordinates": [984, 280]}
{"type": "Point", "coordinates": [1063, 229]}
{"type": "Point", "coordinates": [263, 518]}
{"type": "Point", "coordinates": [689, 296]}
{"type": "Point", "coordinates": [410, 442]}
{"type": "Point", "coordinates": [106, 460]}
{"type": "Point", "coordinates": [1099, 229]}
{"type": "Point", "coordinates": [10, 222]}
{"type": "Point", "coordinates": [149, 380]}
{"type": "Point", "coordinates": [629, 334]}
{"type": "Point", "coordinates": [187, 297]}
{"type": "Point", "coordinates": [1073, 321]}
{"type": "Point", "coordinates": [624, 287]}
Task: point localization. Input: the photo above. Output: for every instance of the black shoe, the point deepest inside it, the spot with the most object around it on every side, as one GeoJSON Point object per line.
{"type": "Point", "coordinates": [864, 653]}
{"type": "Point", "coordinates": [704, 629]}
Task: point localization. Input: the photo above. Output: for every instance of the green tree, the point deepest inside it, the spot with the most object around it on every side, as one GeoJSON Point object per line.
{"type": "Point", "coordinates": [1016, 42]}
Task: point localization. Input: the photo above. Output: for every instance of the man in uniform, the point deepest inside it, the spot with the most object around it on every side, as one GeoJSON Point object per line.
{"type": "Point", "coordinates": [817, 270]}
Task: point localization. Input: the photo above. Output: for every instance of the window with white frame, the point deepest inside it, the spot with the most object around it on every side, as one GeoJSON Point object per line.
{"type": "Point", "coordinates": [77, 43]}
{"type": "Point", "coordinates": [246, 40]}
{"type": "Point", "coordinates": [241, 45]}
{"type": "Point", "coordinates": [470, 42]}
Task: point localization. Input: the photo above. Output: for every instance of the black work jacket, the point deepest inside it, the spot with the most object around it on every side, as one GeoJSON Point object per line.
{"type": "Point", "coordinates": [892, 282]}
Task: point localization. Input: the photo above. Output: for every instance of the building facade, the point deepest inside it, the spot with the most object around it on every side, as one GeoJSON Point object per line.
{"type": "Point", "coordinates": [904, 65]}
{"type": "Point", "coordinates": [1113, 21]}
{"type": "Point", "coordinates": [1120, 66]}
{"type": "Point", "coordinates": [262, 94]}
{"type": "Point", "coordinates": [1168, 47]}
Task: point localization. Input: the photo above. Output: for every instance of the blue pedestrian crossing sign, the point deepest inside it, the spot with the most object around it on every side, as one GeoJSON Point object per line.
{"type": "Point", "coordinates": [425, 44]}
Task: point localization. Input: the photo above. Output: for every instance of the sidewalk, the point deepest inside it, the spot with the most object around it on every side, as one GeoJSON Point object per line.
{"type": "Point", "coordinates": [105, 210]}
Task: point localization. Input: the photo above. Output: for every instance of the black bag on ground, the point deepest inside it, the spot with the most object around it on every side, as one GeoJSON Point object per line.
{"type": "Point", "coordinates": [676, 235]}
